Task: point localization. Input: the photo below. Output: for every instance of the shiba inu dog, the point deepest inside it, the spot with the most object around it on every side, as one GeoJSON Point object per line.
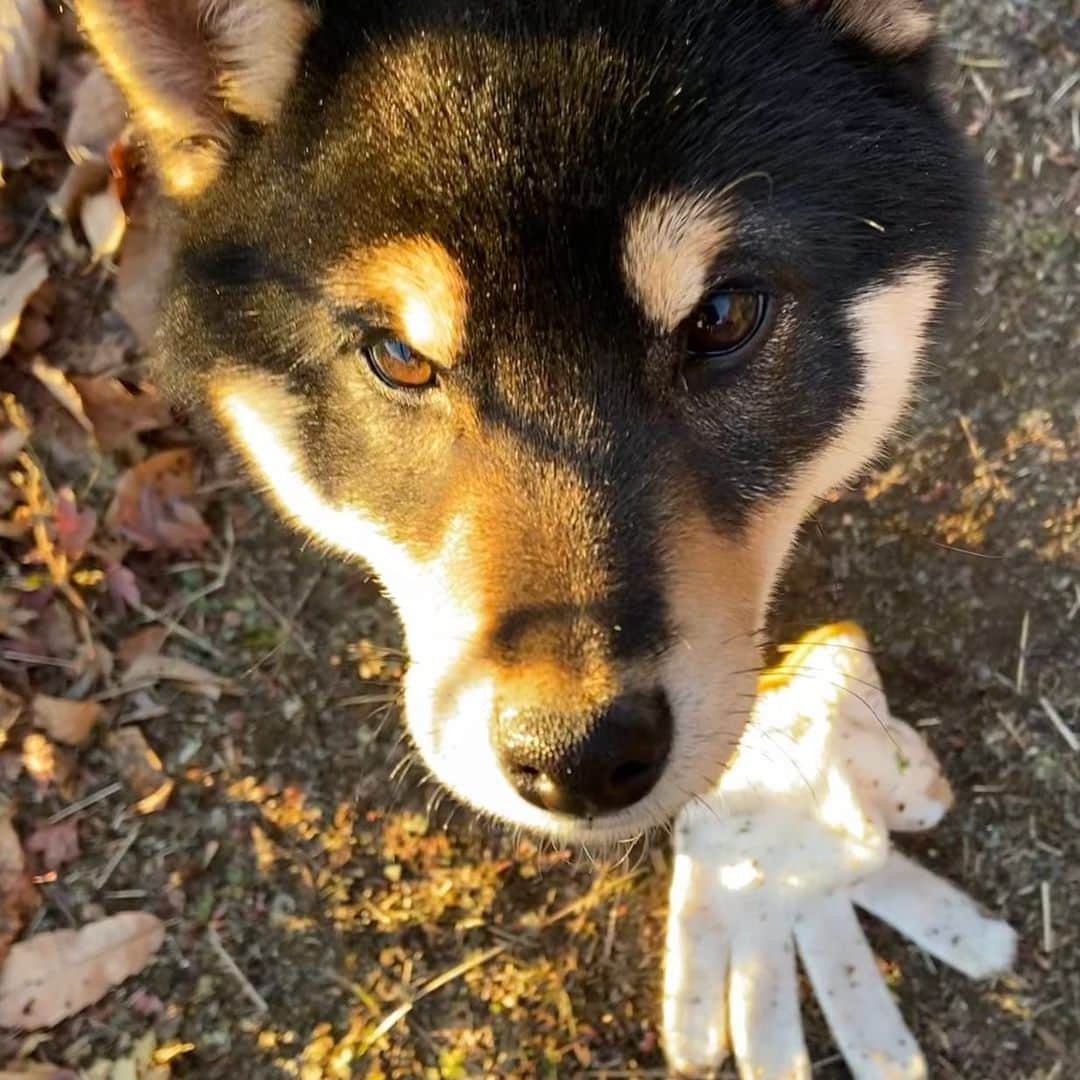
{"type": "Point", "coordinates": [560, 315]}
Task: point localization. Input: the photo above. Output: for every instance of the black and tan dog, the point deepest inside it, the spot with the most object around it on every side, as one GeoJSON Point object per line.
{"type": "Point", "coordinates": [560, 315]}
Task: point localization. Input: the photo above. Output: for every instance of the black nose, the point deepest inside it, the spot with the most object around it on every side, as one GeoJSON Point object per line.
{"type": "Point", "coordinates": [586, 766]}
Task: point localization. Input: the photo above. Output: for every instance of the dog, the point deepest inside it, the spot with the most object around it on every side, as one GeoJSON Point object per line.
{"type": "Point", "coordinates": [560, 316]}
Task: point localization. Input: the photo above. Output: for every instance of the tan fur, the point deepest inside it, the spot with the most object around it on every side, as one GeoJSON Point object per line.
{"type": "Point", "coordinates": [420, 287]}
{"type": "Point", "coordinates": [669, 247]}
{"type": "Point", "coordinates": [185, 66]}
{"type": "Point", "coordinates": [890, 26]}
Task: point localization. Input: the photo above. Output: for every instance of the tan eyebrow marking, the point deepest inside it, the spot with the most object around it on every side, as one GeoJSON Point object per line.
{"type": "Point", "coordinates": [418, 283]}
{"type": "Point", "coordinates": [669, 245]}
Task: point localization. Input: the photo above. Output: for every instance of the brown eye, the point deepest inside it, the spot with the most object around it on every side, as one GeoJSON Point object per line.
{"type": "Point", "coordinates": [398, 366]}
{"type": "Point", "coordinates": [719, 330]}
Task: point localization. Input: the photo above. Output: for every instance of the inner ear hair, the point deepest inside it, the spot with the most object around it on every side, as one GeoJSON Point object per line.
{"type": "Point", "coordinates": [189, 67]}
{"type": "Point", "coordinates": [893, 27]}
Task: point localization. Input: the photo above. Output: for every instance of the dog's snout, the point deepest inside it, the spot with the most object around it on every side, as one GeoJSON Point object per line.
{"type": "Point", "coordinates": [589, 766]}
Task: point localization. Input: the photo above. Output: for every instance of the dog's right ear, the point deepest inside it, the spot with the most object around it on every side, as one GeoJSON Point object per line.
{"type": "Point", "coordinates": [190, 68]}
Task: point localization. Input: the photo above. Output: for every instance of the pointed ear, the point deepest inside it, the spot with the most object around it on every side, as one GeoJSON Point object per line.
{"type": "Point", "coordinates": [893, 27]}
{"type": "Point", "coordinates": [190, 68]}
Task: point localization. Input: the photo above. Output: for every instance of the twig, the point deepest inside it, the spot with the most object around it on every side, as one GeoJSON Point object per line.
{"type": "Point", "coordinates": [1063, 730]}
{"type": "Point", "coordinates": [1047, 920]}
{"type": "Point", "coordinates": [174, 627]}
{"type": "Point", "coordinates": [233, 968]}
{"type": "Point", "coordinates": [114, 860]}
{"type": "Point", "coordinates": [69, 811]}
{"type": "Point", "coordinates": [1021, 662]}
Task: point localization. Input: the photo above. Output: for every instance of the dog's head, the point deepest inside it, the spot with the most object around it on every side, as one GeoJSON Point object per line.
{"type": "Point", "coordinates": [559, 315]}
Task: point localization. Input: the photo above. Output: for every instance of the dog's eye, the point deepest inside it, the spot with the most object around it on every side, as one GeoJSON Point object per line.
{"type": "Point", "coordinates": [720, 330]}
{"type": "Point", "coordinates": [398, 366]}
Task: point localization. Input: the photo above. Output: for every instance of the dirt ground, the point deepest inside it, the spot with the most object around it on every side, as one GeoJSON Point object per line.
{"type": "Point", "coordinates": [312, 883]}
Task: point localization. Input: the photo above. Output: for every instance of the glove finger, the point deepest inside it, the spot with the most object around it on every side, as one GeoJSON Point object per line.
{"type": "Point", "coordinates": [862, 1015]}
{"type": "Point", "coordinates": [695, 972]}
{"type": "Point", "coordinates": [896, 771]}
{"type": "Point", "coordinates": [766, 1029]}
{"type": "Point", "coordinates": [938, 917]}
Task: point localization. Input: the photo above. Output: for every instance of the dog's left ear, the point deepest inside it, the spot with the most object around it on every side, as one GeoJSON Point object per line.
{"type": "Point", "coordinates": [190, 69]}
{"type": "Point", "coordinates": [893, 27]}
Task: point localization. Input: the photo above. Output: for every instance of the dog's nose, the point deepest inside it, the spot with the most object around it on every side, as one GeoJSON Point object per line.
{"type": "Point", "coordinates": [591, 766]}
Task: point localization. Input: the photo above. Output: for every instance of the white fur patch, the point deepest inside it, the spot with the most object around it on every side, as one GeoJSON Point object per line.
{"type": "Point", "coordinates": [669, 247]}
{"type": "Point", "coordinates": [890, 324]}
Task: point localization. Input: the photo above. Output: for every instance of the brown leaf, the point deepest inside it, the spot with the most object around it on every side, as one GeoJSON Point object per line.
{"type": "Point", "coordinates": [11, 707]}
{"type": "Point", "coordinates": [73, 527]}
{"type": "Point", "coordinates": [59, 385]}
{"type": "Point", "coordinates": [151, 506]}
{"type": "Point", "coordinates": [56, 844]}
{"type": "Point", "coordinates": [144, 263]}
{"type": "Point", "coordinates": [64, 720]}
{"type": "Point", "coordinates": [119, 416]}
{"type": "Point", "coordinates": [55, 975]}
{"type": "Point", "coordinates": [141, 769]}
{"type": "Point", "coordinates": [24, 29]}
{"type": "Point", "coordinates": [17, 896]}
{"type": "Point", "coordinates": [151, 668]}
{"type": "Point", "coordinates": [144, 642]}
{"type": "Point", "coordinates": [35, 1070]}
{"type": "Point", "coordinates": [98, 115]}
{"type": "Point", "coordinates": [15, 292]}
{"type": "Point", "coordinates": [122, 585]}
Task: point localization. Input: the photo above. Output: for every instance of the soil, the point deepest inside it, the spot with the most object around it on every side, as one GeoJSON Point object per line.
{"type": "Point", "coordinates": [313, 882]}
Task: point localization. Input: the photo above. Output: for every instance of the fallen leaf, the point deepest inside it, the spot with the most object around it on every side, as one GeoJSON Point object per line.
{"type": "Point", "coordinates": [120, 414]}
{"type": "Point", "coordinates": [152, 668]}
{"type": "Point", "coordinates": [141, 769]}
{"type": "Point", "coordinates": [151, 506]}
{"type": "Point", "coordinates": [24, 25]}
{"type": "Point", "coordinates": [104, 222]}
{"type": "Point", "coordinates": [66, 721]}
{"type": "Point", "coordinates": [83, 177]}
{"type": "Point", "coordinates": [17, 896]}
{"type": "Point", "coordinates": [39, 758]}
{"type": "Point", "coordinates": [11, 707]}
{"type": "Point", "coordinates": [15, 292]}
{"type": "Point", "coordinates": [55, 975]}
{"type": "Point", "coordinates": [144, 642]}
{"type": "Point", "coordinates": [61, 388]}
{"type": "Point", "coordinates": [73, 527]}
{"type": "Point", "coordinates": [56, 844]}
{"type": "Point", "coordinates": [144, 264]}
{"type": "Point", "coordinates": [122, 585]}
{"type": "Point", "coordinates": [98, 115]}
{"type": "Point", "coordinates": [35, 1070]}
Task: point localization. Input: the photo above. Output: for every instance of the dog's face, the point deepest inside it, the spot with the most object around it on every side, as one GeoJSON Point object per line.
{"type": "Point", "coordinates": [559, 316]}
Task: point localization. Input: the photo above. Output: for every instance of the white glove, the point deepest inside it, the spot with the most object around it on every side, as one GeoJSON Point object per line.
{"type": "Point", "coordinates": [796, 832]}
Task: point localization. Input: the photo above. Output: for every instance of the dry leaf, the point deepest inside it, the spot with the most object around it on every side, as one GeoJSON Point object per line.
{"type": "Point", "coordinates": [120, 415]}
{"type": "Point", "coordinates": [141, 769]}
{"type": "Point", "coordinates": [58, 384]}
{"type": "Point", "coordinates": [145, 642]}
{"type": "Point", "coordinates": [15, 292]}
{"type": "Point", "coordinates": [152, 668]}
{"type": "Point", "coordinates": [55, 975]}
{"type": "Point", "coordinates": [72, 527]}
{"type": "Point", "coordinates": [24, 26]}
{"type": "Point", "coordinates": [122, 585]}
{"type": "Point", "coordinates": [17, 896]}
{"type": "Point", "coordinates": [11, 707]}
{"type": "Point", "coordinates": [35, 1070]}
{"type": "Point", "coordinates": [66, 721]}
{"type": "Point", "coordinates": [151, 506]}
{"type": "Point", "coordinates": [83, 177]}
{"type": "Point", "coordinates": [144, 264]}
{"type": "Point", "coordinates": [103, 221]}
{"type": "Point", "coordinates": [98, 115]}
{"type": "Point", "coordinates": [56, 844]}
